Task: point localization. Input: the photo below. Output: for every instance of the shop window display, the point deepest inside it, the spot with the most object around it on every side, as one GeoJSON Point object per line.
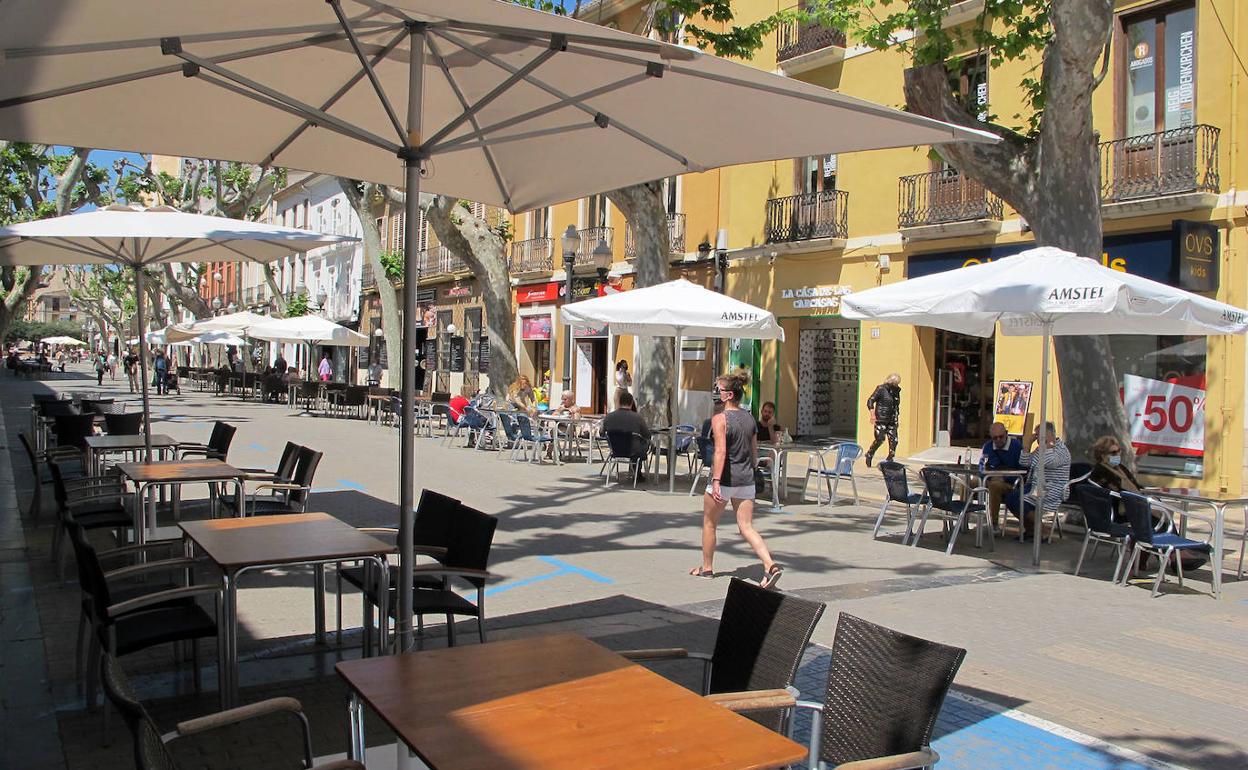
{"type": "Point", "coordinates": [1163, 388]}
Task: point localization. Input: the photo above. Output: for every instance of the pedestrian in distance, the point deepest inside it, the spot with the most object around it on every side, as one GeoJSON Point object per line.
{"type": "Point", "coordinates": [884, 406]}
{"type": "Point", "coordinates": [131, 364]}
{"type": "Point", "coordinates": [326, 369]}
{"type": "Point", "coordinates": [735, 436]}
{"type": "Point", "coordinates": [161, 365]}
{"type": "Point", "coordinates": [101, 365]}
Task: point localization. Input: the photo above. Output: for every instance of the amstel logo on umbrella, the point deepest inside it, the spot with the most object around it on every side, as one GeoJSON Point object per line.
{"type": "Point", "coordinates": [1076, 293]}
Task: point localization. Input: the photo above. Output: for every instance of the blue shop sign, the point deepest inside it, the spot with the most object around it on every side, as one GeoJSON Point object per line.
{"type": "Point", "coordinates": [1149, 255]}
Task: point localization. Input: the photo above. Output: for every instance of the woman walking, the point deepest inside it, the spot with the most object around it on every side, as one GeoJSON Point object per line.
{"type": "Point", "coordinates": [732, 478]}
{"type": "Point", "coordinates": [101, 363]}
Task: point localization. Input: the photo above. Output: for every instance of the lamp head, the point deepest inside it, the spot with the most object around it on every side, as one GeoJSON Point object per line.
{"type": "Point", "coordinates": [570, 241]}
{"type": "Point", "coordinates": [602, 255]}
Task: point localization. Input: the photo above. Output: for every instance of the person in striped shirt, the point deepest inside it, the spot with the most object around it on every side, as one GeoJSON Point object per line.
{"type": "Point", "coordinates": [1055, 460]}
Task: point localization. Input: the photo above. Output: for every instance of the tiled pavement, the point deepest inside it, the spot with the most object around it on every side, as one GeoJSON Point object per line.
{"type": "Point", "coordinates": [1098, 658]}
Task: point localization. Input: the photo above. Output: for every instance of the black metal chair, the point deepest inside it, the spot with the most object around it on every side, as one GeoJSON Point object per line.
{"type": "Point", "coordinates": [283, 473]}
{"type": "Point", "coordinates": [278, 497]}
{"type": "Point", "coordinates": [1165, 543]}
{"type": "Point", "coordinates": [351, 397]}
{"type": "Point", "coordinates": [98, 405]}
{"type": "Point", "coordinates": [885, 690]}
{"type": "Point", "coordinates": [218, 446]}
{"type": "Point", "coordinates": [1097, 506]}
{"type": "Point", "coordinates": [954, 513]}
{"type": "Point", "coordinates": [897, 486]}
{"type": "Point", "coordinates": [71, 468]}
{"type": "Point", "coordinates": [760, 642]}
{"type": "Point", "coordinates": [625, 447]}
{"type": "Point", "coordinates": [151, 750]}
{"type": "Point", "coordinates": [93, 502]}
{"type": "Point", "coordinates": [71, 430]}
{"type": "Point", "coordinates": [130, 424]}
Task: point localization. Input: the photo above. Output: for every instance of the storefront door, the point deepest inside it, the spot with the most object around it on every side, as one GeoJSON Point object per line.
{"type": "Point", "coordinates": [827, 389]}
{"type": "Point", "coordinates": [964, 380]}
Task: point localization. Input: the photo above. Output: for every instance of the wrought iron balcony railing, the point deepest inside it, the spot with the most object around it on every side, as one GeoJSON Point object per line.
{"type": "Point", "coordinates": [589, 241]}
{"type": "Point", "coordinates": [675, 237]}
{"type": "Point", "coordinates": [821, 214]}
{"type": "Point", "coordinates": [532, 256]}
{"type": "Point", "coordinates": [1182, 160]}
{"type": "Point", "coordinates": [794, 39]}
{"type": "Point", "coordinates": [368, 278]}
{"type": "Point", "coordinates": [941, 197]}
{"type": "Point", "coordinates": [439, 261]}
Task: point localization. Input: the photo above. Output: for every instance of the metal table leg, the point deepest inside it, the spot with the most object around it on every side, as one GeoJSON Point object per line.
{"type": "Point", "coordinates": [318, 609]}
{"type": "Point", "coordinates": [228, 638]}
{"type": "Point", "coordinates": [355, 721]}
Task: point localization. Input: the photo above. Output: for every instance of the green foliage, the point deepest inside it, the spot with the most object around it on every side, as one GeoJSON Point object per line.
{"type": "Point", "coordinates": [297, 305]}
{"type": "Point", "coordinates": [392, 261]}
{"type": "Point", "coordinates": [28, 181]}
{"type": "Point", "coordinates": [36, 330]}
{"type": "Point", "coordinates": [503, 230]}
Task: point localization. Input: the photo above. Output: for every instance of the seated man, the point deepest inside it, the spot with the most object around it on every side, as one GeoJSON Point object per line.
{"type": "Point", "coordinates": [1000, 452]}
{"type": "Point", "coordinates": [1054, 462]}
{"type": "Point", "coordinates": [769, 431]}
{"type": "Point", "coordinates": [567, 405]}
{"type": "Point", "coordinates": [626, 419]}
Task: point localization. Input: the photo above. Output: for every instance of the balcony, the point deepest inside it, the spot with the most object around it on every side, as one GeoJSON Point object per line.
{"type": "Point", "coordinates": [589, 240]}
{"type": "Point", "coordinates": [368, 279]}
{"type": "Point", "coordinates": [944, 204]}
{"type": "Point", "coordinates": [1160, 173]}
{"type": "Point", "coordinates": [675, 237]}
{"type": "Point", "coordinates": [804, 46]}
{"type": "Point", "coordinates": [535, 255]}
{"type": "Point", "coordinates": [810, 216]}
{"type": "Point", "coordinates": [438, 262]}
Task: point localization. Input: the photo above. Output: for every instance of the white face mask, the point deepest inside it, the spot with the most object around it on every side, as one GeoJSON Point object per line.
{"type": "Point", "coordinates": [1115, 460]}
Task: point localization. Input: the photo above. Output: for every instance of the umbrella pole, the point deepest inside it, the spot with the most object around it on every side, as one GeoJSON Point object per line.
{"type": "Point", "coordinates": [1037, 526]}
{"type": "Point", "coordinates": [411, 277]}
{"type": "Point", "coordinates": [677, 370]}
{"type": "Point", "coordinates": [147, 408]}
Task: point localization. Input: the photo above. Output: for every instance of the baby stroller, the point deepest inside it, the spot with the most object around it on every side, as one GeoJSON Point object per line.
{"type": "Point", "coordinates": [171, 382]}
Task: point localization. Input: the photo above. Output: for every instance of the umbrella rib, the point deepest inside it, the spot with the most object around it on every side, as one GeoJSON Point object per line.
{"type": "Point", "coordinates": [556, 44]}
{"type": "Point", "coordinates": [476, 125]}
{"type": "Point", "coordinates": [170, 251]}
{"type": "Point", "coordinates": [534, 134]}
{"type": "Point", "coordinates": [341, 92]}
{"type": "Point", "coordinates": [103, 253]}
{"type": "Point", "coordinates": [368, 69]}
{"type": "Point", "coordinates": [665, 50]}
{"type": "Point", "coordinates": [537, 113]}
{"type": "Point", "coordinates": [306, 111]}
{"type": "Point", "coordinates": [602, 120]}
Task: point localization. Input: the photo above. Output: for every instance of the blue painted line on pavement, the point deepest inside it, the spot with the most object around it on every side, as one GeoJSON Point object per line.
{"type": "Point", "coordinates": [594, 576]}
{"type": "Point", "coordinates": [563, 568]}
{"type": "Point", "coordinates": [257, 447]}
{"type": "Point", "coordinates": [358, 487]}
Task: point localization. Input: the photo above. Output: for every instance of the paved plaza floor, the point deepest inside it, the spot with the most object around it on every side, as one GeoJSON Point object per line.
{"type": "Point", "coordinates": [1061, 671]}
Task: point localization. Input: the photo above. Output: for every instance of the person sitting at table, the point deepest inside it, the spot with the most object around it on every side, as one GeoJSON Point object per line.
{"type": "Point", "coordinates": [626, 419]}
{"type": "Point", "coordinates": [1108, 470]}
{"type": "Point", "coordinates": [567, 405]}
{"type": "Point", "coordinates": [1054, 462]}
{"type": "Point", "coordinates": [769, 431]}
{"type": "Point", "coordinates": [1001, 452]}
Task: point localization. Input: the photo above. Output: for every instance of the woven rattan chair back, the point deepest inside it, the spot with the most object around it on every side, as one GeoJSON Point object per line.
{"type": "Point", "coordinates": [939, 485]}
{"type": "Point", "coordinates": [285, 469]}
{"type": "Point", "coordinates": [220, 440]}
{"type": "Point", "coordinates": [57, 408]}
{"type": "Point", "coordinates": [472, 537]}
{"type": "Point", "coordinates": [91, 578]}
{"type": "Point", "coordinates": [895, 481]}
{"type": "Point", "coordinates": [71, 430]}
{"type": "Point", "coordinates": [123, 424]}
{"type": "Point", "coordinates": [150, 752]}
{"type": "Point", "coordinates": [435, 515]}
{"type": "Point", "coordinates": [885, 689]}
{"type": "Point", "coordinates": [305, 471]}
{"type": "Point", "coordinates": [762, 637]}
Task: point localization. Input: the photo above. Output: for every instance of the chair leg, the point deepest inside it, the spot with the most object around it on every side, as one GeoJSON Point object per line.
{"type": "Point", "coordinates": [450, 630]}
{"type": "Point", "coordinates": [1122, 552]}
{"type": "Point", "coordinates": [875, 531]}
{"type": "Point", "coordinates": [1084, 550]}
{"type": "Point", "coordinates": [338, 603]}
{"type": "Point", "coordinates": [1178, 565]}
{"type": "Point", "coordinates": [953, 536]}
{"type": "Point", "coordinates": [853, 484]}
{"type": "Point", "coordinates": [918, 535]}
{"type": "Point", "coordinates": [1161, 571]}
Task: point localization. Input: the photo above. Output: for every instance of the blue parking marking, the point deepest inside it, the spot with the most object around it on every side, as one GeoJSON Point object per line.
{"type": "Point", "coordinates": [562, 568]}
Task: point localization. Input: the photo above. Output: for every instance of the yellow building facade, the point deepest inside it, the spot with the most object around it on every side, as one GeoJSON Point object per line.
{"type": "Point", "coordinates": [800, 233]}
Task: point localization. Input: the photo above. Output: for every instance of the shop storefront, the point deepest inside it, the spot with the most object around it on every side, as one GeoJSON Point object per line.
{"type": "Point", "coordinates": [456, 348]}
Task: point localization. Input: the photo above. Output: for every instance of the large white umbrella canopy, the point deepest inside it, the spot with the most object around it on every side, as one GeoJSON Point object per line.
{"type": "Point", "coordinates": [308, 328]}
{"type": "Point", "coordinates": [234, 323]}
{"type": "Point", "coordinates": [62, 340]}
{"type": "Point", "coordinates": [676, 309]}
{"type": "Point", "coordinates": [139, 238]}
{"type": "Point", "coordinates": [1043, 292]}
{"type": "Point", "coordinates": [222, 338]}
{"type": "Point", "coordinates": [464, 98]}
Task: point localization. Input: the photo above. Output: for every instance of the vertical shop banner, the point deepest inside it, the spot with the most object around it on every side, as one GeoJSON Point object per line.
{"type": "Point", "coordinates": [1164, 415]}
{"type": "Point", "coordinates": [584, 373]}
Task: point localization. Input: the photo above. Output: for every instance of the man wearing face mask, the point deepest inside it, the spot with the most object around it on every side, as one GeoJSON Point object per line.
{"type": "Point", "coordinates": [1001, 452]}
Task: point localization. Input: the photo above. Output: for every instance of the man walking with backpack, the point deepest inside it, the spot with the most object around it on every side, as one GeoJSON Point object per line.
{"type": "Point", "coordinates": [885, 408]}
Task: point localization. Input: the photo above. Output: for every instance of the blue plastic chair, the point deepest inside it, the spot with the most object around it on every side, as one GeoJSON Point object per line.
{"type": "Point", "coordinates": [830, 473]}
{"type": "Point", "coordinates": [527, 439]}
{"type": "Point", "coordinates": [1164, 543]}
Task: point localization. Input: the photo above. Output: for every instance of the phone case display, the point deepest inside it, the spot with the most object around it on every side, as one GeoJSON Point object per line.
{"type": "Point", "coordinates": [827, 385]}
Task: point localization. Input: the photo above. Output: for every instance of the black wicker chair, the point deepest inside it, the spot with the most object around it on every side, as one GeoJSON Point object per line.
{"type": "Point", "coordinates": [898, 488]}
{"type": "Point", "coordinates": [1097, 505]}
{"type": "Point", "coordinates": [71, 430]}
{"type": "Point", "coordinates": [130, 424]}
{"type": "Point", "coordinates": [218, 446]}
{"type": "Point", "coordinates": [71, 468]}
{"type": "Point", "coordinates": [955, 514]}
{"type": "Point", "coordinates": [151, 750]}
{"type": "Point", "coordinates": [760, 642]}
{"type": "Point", "coordinates": [885, 690]}
{"type": "Point", "coordinates": [278, 497]}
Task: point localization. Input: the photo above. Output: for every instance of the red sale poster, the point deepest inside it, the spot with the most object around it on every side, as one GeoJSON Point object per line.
{"type": "Point", "coordinates": [1165, 415]}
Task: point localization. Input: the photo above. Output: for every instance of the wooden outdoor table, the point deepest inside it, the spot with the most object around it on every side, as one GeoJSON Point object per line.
{"type": "Point", "coordinates": [149, 476]}
{"type": "Point", "coordinates": [550, 703]}
{"type": "Point", "coordinates": [238, 546]}
{"type": "Point", "coordinates": [100, 446]}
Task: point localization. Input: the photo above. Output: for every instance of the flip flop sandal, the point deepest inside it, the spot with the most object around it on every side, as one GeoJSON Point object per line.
{"type": "Point", "coordinates": [702, 573]}
{"type": "Point", "coordinates": [772, 576]}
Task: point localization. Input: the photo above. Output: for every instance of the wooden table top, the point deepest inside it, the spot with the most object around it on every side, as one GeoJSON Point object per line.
{"type": "Point", "coordinates": [288, 539]}
{"type": "Point", "coordinates": [129, 442]}
{"type": "Point", "coordinates": [555, 702]}
{"type": "Point", "coordinates": [175, 471]}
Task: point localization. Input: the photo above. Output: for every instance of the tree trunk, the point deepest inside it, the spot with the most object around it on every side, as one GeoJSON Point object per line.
{"type": "Point", "coordinates": [187, 296]}
{"type": "Point", "coordinates": [485, 252]}
{"type": "Point", "coordinates": [361, 196]}
{"type": "Point", "coordinates": [14, 304]}
{"type": "Point", "coordinates": [642, 205]}
{"type": "Point", "coordinates": [1052, 181]}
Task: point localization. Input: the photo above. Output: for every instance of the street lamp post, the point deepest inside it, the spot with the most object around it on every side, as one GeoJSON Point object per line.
{"type": "Point", "coordinates": [570, 242]}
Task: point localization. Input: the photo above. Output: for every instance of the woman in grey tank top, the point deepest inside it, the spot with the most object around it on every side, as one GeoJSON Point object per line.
{"type": "Point", "coordinates": [732, 478]}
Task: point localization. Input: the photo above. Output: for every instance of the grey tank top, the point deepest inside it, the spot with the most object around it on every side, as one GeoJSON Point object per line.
{"type": "Point", "coordinates": [739, 464]}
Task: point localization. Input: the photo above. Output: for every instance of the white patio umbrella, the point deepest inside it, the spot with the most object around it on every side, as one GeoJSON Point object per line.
{"type": "Point", "coordinates": [1043, 292]}
{"type": "Point", "coordinates": [222, 338]}
{"type": "Point", "coordinates": [347, 86]}
{"type": "Point", "coordinates": [135, 237]}
{"type": "Point", "coordinates": [60, 339]}
{"type": "Point", "coordinates": [675, 309]}
{"type": "Point", "coordinates": [308, 328]}
{"type": "Point", "coordinates": [234, 323]}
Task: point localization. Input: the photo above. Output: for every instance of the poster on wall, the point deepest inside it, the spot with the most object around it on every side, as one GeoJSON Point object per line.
{"type": "Point", "coordinates": [1164, 415]}
{"type": "Point", "coordinates": [457, 354]}
{"type": "Point", "coordinates": [1010, 407]}
{"type": "Point", "coordinates": [535, 327]}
